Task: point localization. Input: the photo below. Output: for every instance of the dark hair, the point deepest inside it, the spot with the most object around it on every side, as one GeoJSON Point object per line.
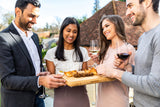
{"type": "Point", "coordinates": [22, 4]}
{"type": "Point", "coordinates": [155, 5]}
{"type": "Point", "coordinates": [60, 47]}
{"type": "Point", "coordinates": [120, 31]}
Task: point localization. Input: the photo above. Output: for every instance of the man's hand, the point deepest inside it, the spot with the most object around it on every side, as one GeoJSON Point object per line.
{"type": "Point", "coordinates": [52, 81]}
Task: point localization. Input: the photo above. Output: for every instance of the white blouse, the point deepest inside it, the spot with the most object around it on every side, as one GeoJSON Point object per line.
{"type": "Point", "coordinates": [70, 57]}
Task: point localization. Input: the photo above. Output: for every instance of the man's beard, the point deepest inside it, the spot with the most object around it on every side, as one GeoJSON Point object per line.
{"type": "Point", "coordinates": [139, 19]}
{"type": "Point", "coordinates": [138, 22]}
{"type": "Point", "coordinates": [24, 26]}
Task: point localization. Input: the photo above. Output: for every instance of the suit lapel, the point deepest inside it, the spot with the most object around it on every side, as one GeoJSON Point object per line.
{"type": "Point", "coordinates": [15, 35]}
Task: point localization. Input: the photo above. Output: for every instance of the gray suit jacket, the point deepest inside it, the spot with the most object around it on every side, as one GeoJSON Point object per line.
{"type": "Point", "coordinates": [17, 73]}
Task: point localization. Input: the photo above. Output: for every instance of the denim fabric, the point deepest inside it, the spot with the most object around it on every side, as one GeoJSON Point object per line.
{"type": "Point", "coordinates": [39, 102]}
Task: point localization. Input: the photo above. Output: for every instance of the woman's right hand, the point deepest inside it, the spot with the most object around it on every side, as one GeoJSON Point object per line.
{"type": "Point", "coordinates": [107, 70]}
{"type": "Point", "coordinates": [121, 64]}
{"type": "Point", "coordinates": [101, 69]}
{"type": "Point", "coordinates": [95, 58]}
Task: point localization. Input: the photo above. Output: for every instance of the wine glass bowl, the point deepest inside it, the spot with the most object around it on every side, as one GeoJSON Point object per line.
{"type": "Point", "coordinates": [123, 56]}
{"type": "Point", "coordinates": [94, 47]}
{"type": "Point", "coordinates": [43, 95]}
{"type": "Point", "coordinates": [122, 51]}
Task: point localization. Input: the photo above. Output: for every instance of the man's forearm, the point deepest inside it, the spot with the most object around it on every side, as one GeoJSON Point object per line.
{"type": "Point", "coordinates": [20, 82]}
{"type": "Point", "coordinates": [118, 73]}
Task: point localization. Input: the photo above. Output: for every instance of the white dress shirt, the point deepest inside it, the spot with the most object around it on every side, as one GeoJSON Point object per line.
{"type": "Point", "coordinates": [31, 47]}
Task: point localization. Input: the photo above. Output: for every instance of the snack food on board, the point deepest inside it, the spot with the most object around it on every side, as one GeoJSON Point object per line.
{"type": "Point", "coordinates": [85, 73]}
{"type": "Point", "coordinates": [78, 78]}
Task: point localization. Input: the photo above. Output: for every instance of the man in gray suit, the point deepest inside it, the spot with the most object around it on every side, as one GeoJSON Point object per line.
{"type": "Point", "coordinates": [146, 77]}
{"type": "Point", "coordinates": [20, 59]}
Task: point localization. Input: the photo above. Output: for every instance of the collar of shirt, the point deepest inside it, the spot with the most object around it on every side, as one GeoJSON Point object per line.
{"type": "Point", "coordinates": [22, 34]}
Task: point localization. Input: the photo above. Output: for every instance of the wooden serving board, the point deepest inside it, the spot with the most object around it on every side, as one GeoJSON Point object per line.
{"type": "Point", "coordinates": [73, 81]}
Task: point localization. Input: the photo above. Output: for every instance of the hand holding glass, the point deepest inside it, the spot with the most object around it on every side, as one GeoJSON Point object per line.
{"type": "Point", "coordinates": [122, 52]}
{"type": "Point", "coordinates": [94, 47]}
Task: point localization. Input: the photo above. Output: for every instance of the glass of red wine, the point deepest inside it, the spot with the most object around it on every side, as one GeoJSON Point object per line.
{"type": "Point", "coordinates": [122, 51]}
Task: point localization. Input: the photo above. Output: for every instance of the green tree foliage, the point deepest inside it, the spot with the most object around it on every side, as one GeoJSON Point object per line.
{"type": "Point", "coordinates": [96, 6]}
{"type": "Point", "coordinates": [44, 51]}
{"type": "Point", "coordinates": [55, 27]}
{"type": "Point", "coordinates": [122, 0]}
{"type": "Point", "coordinates": [53, 45]}
{"type": "Point", "coordinates": [52, 27]}
{"type": "Point", "coordinates": [80, 20]}
{"type": "Point", "coordinates": [46, 27]}
{"type": "Point", "coordinates": [7, 18]}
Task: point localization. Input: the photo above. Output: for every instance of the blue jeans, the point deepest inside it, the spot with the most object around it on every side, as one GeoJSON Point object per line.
{"type": "Point", "coordinates": [39, 102]}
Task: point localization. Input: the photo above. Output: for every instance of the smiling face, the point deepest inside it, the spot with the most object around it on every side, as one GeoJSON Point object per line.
{"type": "Point", "coordinates": [109, 30]}
{"type": "Point", "coordinates": [28, 17]}
{"type": "Point", "coordinates": [135, 11]}
{"type": "Point", "coordinates": [70, 33]}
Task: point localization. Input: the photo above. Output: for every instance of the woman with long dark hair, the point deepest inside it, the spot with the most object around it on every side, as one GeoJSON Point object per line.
{"type": "Point", "coordinates": [112, 32]}
{"type": "Point", "coordinates": [68, 56]}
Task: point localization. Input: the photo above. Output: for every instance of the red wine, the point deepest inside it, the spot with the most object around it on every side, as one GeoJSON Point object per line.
{"type": "Point", "coordinates": [123, 56]}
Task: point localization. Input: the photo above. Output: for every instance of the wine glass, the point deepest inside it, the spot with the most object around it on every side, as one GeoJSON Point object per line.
{"type": "Point", "coordinates": [94, 49]}
{"type": "Point", "coordinates": [122, 51]}
{"type": "Point", "coordinates": [43, 95]}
